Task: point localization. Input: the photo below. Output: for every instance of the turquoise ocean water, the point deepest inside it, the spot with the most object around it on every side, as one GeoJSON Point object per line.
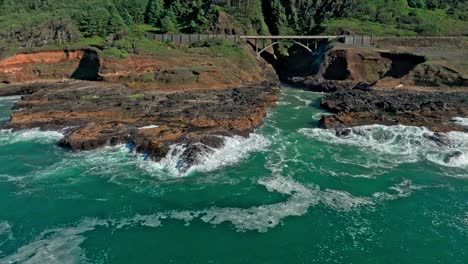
{"type": "Point", "coordinates": [288, 194]}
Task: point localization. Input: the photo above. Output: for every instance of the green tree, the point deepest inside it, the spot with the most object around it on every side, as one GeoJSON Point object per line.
{"type": "Point", "coordinates": [154, 12]}
{"type": "Point", "coordinates": [167, 24]}
{"type": "Point", "coordinates": [277, 15]}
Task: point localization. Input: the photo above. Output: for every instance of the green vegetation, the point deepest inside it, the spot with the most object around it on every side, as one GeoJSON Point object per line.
{"type": "Point", "coordinates": [118, 27]}
{"type": "Point", "coordinates": [136, 96]}
{"type": "Point", "coordinates": [405, 18]}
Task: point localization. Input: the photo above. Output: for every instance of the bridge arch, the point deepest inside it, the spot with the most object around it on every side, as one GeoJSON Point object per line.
{"type": "Point", "coordinates": [285, 40]}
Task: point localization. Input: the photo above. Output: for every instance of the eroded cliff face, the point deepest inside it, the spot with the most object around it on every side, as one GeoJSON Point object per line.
{"type": "Point", "coordinates": [183, 69]}
{"type": "Point", "coordinates": [192, 99]}
{"type": "Point", "coordinates": [347, 67]}
{"type": "Point", "coordinates": [370, 86]}
{"type": "Point", "coordinates": [40, 65]}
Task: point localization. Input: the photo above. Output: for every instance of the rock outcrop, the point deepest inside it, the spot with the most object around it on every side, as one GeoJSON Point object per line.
{"type": "Point", "coordinates": [431, 109]}
{"type": "Point", "coordinates": [93, 115]}
{"type": "Point", "coordinates": [346, 67]}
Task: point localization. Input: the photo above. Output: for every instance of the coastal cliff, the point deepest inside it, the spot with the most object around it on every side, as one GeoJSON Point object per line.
{"type": "Point", "coordinates": [194, 99]}
{"type": "Point", "coordinates": [407, 81]}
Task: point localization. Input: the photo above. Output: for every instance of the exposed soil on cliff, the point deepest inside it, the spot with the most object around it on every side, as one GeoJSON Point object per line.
{"type": "Point", "coordinates": [189, 96]}
{"type": "Point", "coordinates": [409, 82]}
{"type": "Point", "coordinates": [172, 69]}
{"type": "Point", "coordinates": [40, 65]}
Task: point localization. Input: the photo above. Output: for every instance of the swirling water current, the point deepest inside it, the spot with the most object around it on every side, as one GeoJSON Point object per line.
{"type": "Point", "coordinates": [290, 193]}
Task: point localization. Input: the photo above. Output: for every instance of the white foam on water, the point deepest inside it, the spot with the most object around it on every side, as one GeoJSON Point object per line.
{"type": "Point", "coordinates": [56, 246]}
{"type": "Point", "coordinates": [149, 127]}
{"type": "Point", "coordinates": [281, 103]}
{"type": "Point", "coordinates": [456, 156]}
{"type": "Point", "coordinates": [233, 150]}
{"type": "Point", "coordinates": [318, 116]}
{"type": "Point", "coordinates": [13, 99]}
{"type": "Point", "coordinates": [259, 218]}
{"type": "Point", "coordinates": [305, 101]}
{"type": "Point", "coordinates": [463, 121]}
{"type": "Point", "coordinates": [35, 135]}
{"type": "Point", "coordinates": [153, 220]}
{"type": "Point", "coordinates": [62, 245]}
{"type": "Point", "coordinates": [5, 232]}
{"type": "Point", "coordinates": [398, 144]}
{"type": "Point", "coordinates": [283, 185]}
{"type": "Point", "coordinates": [262, 218]}
{"type": "Point", "coordinates": [342, 201]}
{"type": "Point", "coordinates": [402, 190]}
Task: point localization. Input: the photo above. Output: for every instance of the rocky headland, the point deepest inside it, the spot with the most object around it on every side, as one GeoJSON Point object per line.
{"type": "Point", "coordinates": [195, 97]}
{"type": "Point", "coordinates": [407, 81]}
{"type": "Point", "coordinates": [146, 102]}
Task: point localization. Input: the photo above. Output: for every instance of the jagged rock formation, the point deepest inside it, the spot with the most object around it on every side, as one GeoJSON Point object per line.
{"type": "Point", "coordinates": [431, 109]}
{"type": "Point", "coordinates": [94, 115]}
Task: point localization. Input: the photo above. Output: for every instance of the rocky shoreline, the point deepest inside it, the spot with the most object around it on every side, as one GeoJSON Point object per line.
{"type": "Point", "coordinates": [93, 115]}
{"type": "Point", "coordinates": [416, 85]}
{"type": "Point", "coordinates": [364, 86]}
{"type": "Point", "coordinates": [434, 110]}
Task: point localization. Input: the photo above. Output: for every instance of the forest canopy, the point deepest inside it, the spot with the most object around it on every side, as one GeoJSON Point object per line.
{"type": "Point", "coordinates": [32, 23]}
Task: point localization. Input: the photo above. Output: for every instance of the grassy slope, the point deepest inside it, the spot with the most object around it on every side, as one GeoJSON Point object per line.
{"type": "Point", "coordinates": [412, 22]}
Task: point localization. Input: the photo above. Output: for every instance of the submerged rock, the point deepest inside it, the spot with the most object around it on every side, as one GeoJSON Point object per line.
{"type": "Point", "coordinates": [343, 132]}
{"type": "Point", "coordinates": [440, 139]}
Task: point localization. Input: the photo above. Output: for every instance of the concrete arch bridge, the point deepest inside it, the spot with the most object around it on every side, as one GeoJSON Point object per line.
{"type": "Point", "coordinates": [309, 43]}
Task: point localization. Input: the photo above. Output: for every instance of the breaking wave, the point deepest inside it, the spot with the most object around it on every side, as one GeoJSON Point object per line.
{"type": "Point", "coordinates": [32, 135]}
{"type": "Point", "coordinates": [401, 144]}
{"type": "Point", "coordinates": [208, 159]}
{"type": "Point", "coordinates": [463, 121]}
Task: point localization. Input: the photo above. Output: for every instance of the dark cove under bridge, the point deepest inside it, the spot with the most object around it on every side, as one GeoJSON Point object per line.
{"type": "Point", "coordinates": [262, 43]}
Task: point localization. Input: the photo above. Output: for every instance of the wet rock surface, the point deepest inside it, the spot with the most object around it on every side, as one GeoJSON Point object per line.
{"type": "Point", "coordinates": [93, 115]}
{"type": "Point", "coordinates": [434, 110]}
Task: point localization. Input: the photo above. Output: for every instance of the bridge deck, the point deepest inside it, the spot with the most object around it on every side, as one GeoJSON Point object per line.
{"type": "Point", "coordinates": [290, 37]}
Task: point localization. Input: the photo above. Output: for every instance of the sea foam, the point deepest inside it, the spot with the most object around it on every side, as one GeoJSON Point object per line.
{"type": "Point", "coordinates": [5, 232]}
{"type": "Point", "coordinates": [31, 135]}
{"type": "Point", "coordinates": [233, 150]}
{"type": "Point", "coordinates": [63, 245]}
{"type": "Point", "coordinates": [463, 121]}
{"type": "Point", "coordinates": [399, 144]}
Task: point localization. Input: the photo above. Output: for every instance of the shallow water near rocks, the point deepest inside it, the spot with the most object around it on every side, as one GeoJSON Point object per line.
{"type": "Point", "coordinates": [288, 194]}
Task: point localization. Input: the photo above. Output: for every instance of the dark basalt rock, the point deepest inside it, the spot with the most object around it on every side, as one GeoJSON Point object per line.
{"type": "Point", "coordinates": [93, 115]}
{"type": "Point", "coordinates": [454, 156]}
{"type": "Point", "coordinates": [343, 132]}
{"type": "Point", "coordinates": [440, 139]}
{"type": "Point", "coordinates": [431, 109]}
{"type": "Point", "coordinates": [364, 86]}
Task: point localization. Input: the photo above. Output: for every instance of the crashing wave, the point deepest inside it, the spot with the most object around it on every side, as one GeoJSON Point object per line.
{"type": "Point", "coordinates": [318, 116]}
{"type": "Point", "coordinates": [463, 121]}
{"type": "Point", "coordinates": [400, 144]}
{"type": "Point", "coordinates": [234, 149]}
{"type": "Point", "coordinates": [31, 135]}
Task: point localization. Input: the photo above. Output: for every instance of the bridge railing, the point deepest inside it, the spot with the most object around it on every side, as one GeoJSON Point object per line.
{"type": "Point", "coordinates": [358, 40]}
{"type": "Point", "coordinates": [186, 39]}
